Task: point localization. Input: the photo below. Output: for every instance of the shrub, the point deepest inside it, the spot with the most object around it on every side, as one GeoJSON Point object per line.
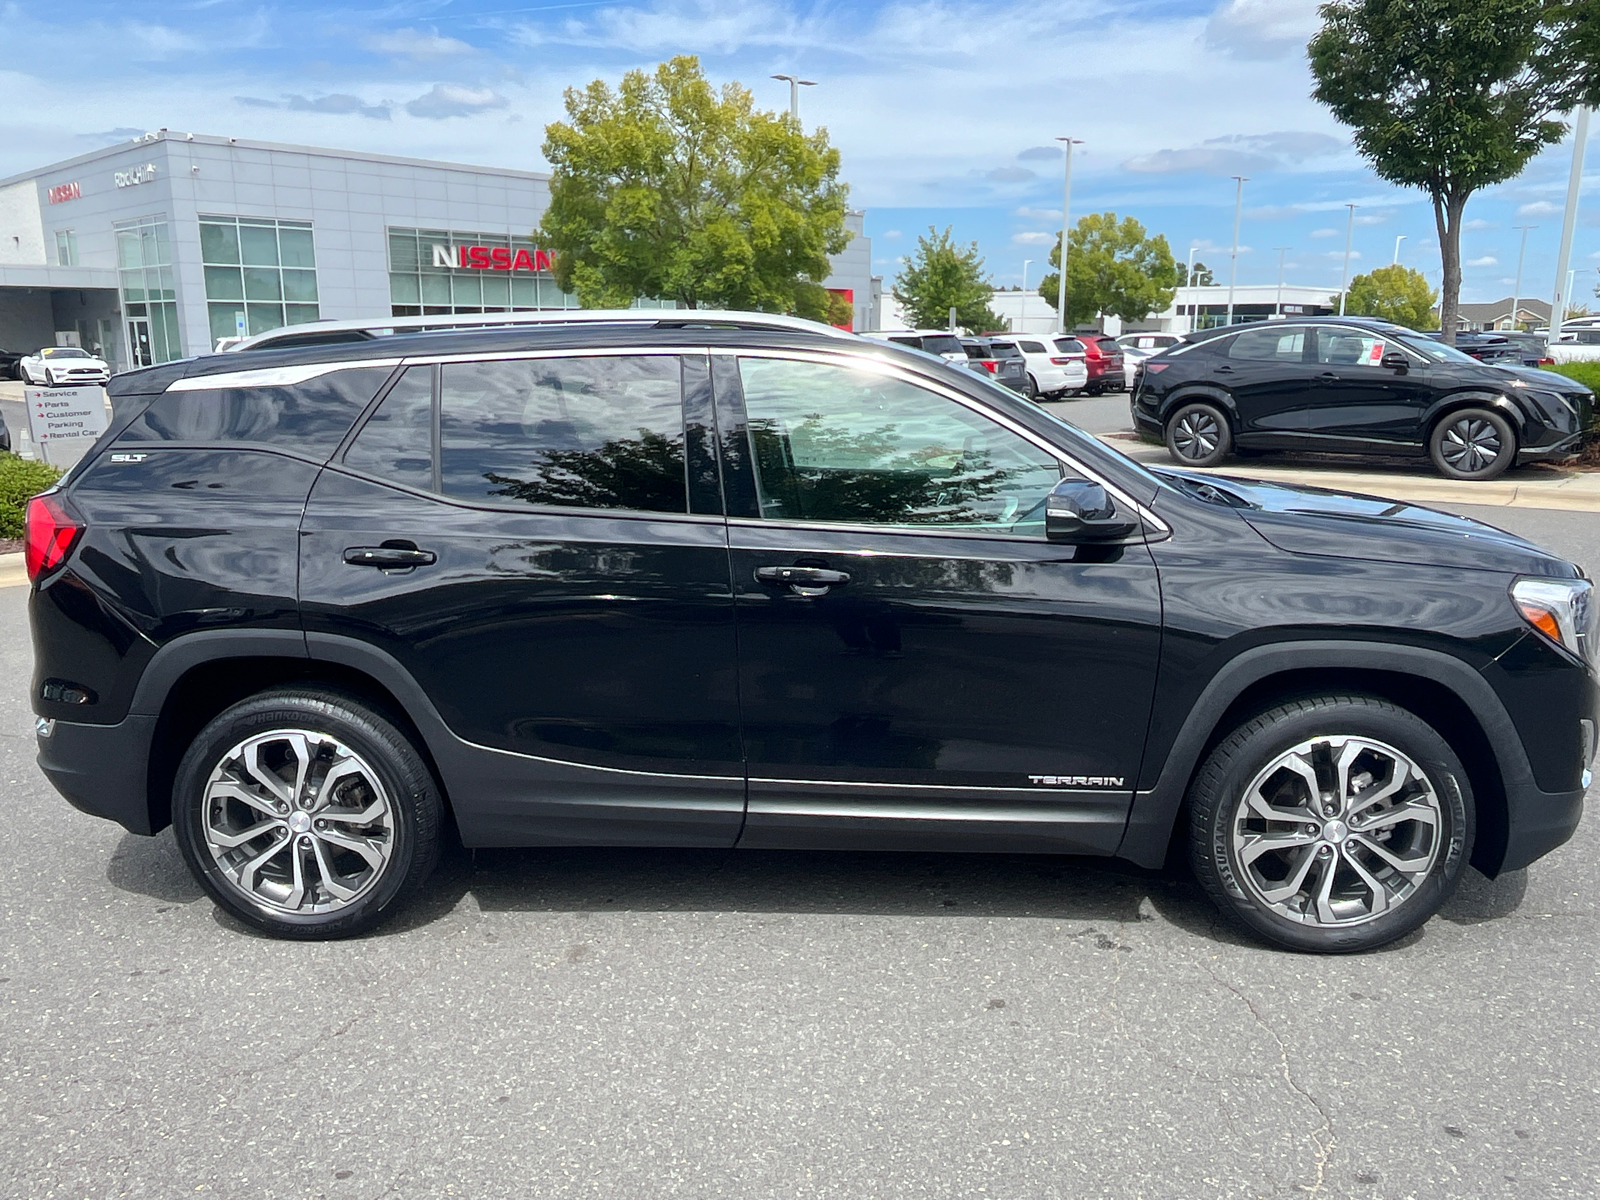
{"type": "Point", "coordinates": [20, 480]}
{"type": "Point", "coordinates": [1586, 373]}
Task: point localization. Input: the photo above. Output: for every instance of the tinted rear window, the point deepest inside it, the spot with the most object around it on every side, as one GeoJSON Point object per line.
{"type": "Point", "coordinates": [1069, 346]}
{"type": "Point", "coordinates": [311, 417]}
{"type": "Point", "coordinates": [942, 345]}
{"type": "Point", "coordinates": [1003, 350]}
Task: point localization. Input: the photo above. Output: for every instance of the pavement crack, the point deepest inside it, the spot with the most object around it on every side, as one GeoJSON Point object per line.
{"type": "Point", "coordinates": [1322, 1138]}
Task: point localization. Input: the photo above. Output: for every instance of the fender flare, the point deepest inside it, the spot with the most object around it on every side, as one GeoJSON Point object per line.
{"type": "Point", "coordinates": [1200, 392]}
{"type": "Point", "coordinates": [1456, 401]}
{"type": "Point", "coordinates": [1153, 812]}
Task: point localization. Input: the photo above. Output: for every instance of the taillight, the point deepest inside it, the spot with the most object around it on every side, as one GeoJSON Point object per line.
{"type": "Point", "coordinates": [989, 365]}
{"type": "Point", "coordinates": [52, 531]}
{"type": "Point", "coordinates": [1154, 368]}
{"type": "Point", "coordinates": [1065, 362]}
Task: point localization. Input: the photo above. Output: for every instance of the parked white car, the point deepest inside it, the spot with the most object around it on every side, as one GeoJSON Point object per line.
{"type": "Point", "coordinates": [1150, 343]}
{"type": "Point", "coordinates": [63, 366]}
{"type": "Point", "coordinates": [1056, 366]}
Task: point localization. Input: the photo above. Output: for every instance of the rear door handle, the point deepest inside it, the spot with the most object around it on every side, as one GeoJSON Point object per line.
{"type": "Point", "coordinates": [1224, 369]}
{"type": "Point", "coordinates": [389, 556]}
{"type": "Point", "coordinates": [1329, 375]}
{"type": "Point", "coordinates": [806, 581]}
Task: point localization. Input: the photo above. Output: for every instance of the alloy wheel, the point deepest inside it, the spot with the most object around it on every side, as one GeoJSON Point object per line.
{"type": "Point", "coordinates": [1471, 444]}
{"type": "Point", "coordinates": [1196, 435]}
{"type": "Point", "coordinates": [297, 822]}
{"type": "Point", "coordinates": [1337, 831]}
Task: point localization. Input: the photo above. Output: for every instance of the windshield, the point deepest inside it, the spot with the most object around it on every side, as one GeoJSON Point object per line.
{"type": "Point", "coordinates": [1437, 351]}
{"type": "Point", "coordinates": [62, 352]}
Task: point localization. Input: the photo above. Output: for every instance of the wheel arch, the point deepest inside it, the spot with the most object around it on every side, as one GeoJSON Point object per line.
{"type": "Point", "coordinates": [1444, 691]}
{"type": "Point", "coordinates": [1457, 401]}
{"type": "Point", "coordinates": [1200, 393]}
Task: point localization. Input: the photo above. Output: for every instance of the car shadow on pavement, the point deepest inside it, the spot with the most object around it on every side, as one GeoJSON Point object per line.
{"type": "Point", "coordinates": [619, 879]}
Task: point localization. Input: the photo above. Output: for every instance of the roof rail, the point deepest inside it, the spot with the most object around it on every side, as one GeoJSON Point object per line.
{"type": "Point", "coordinates": [472, 322]}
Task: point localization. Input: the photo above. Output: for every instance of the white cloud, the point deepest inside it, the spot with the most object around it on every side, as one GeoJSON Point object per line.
{"type": "Point", "coordinates": [1038, 214]}
{"type": "Point", "coordinates": [1262, 29]}
{"type": "Point", "coordinates": [1539, 208]}
{"type": "Point", "coordinates": [891, 234]}
{"type": "Point", "coordinates": [1237, 153]}
{"type": "Point", "coordinates": [446, 100]}
{"type": "Point", "coordinates": [1041, 152]}
{"type": "Point", "coordinates": [1478, 223]}
{"type": "Point", "coordinates": [1324, 233]}
{"type": "Point", "coordinates": [1488, 260]}
{"type": "Point", "coordinates": [1034, 238]}
{"type": "Point", "coordinates": [1010, 175]}
{"type": "Point", "coordinates": [414, 43]}
{"type": "Point", "coordinates": [337, 104]}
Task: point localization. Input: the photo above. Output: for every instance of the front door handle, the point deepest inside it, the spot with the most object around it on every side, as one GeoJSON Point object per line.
{"type": "Point", "coordinates": [1330, 376]}
{"type": "Point", "coordinates": [1224, 369]}
{"type": "Point", "coordinates": [389, 557]}
{"type": "Point", "coordinates": [806, 581]}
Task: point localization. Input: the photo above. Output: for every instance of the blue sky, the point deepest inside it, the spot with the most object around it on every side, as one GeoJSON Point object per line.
{"type": "Point", "coordinates": [945, 111]}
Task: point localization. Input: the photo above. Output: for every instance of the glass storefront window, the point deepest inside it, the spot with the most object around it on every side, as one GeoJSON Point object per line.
{"type": "Point", "coordinates": [149, 291]}
{"type": "Point", "coordinates": [261, 269]}
{"type": "Point", "coordinates": [417, 287]}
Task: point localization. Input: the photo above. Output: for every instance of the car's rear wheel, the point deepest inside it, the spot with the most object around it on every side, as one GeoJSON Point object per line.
{"type": "Point", "coordinates": [1030, 389]}
{"type": "Point", "coordinates": [1332, 824]}
{"type": "Point", "coordinates": [1198, 435]}
{"type": "Point", "coordinates": [1474, 443]}
{"type": "Point", "coordinates": [306, 814]}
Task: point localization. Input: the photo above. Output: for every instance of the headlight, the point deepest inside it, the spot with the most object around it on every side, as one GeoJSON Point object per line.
{"type": "Point", "coordinates": [1562, 610]}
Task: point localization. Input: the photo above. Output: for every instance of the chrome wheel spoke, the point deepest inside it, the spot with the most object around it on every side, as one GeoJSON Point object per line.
{"type": "Point", "coordinates": [1412, 866]}
{"type": "Point", "coordinates": [1397, 780]}
{"type": "Point", "coordinates": [330, 818]}
{"type": "Point", "coordinates": [1267, 843]}
{"type": "Point", "coordinates": [1295, 882]}
{"type": "Point", "coordinates": [1410, 811]}
{"type": "Point", "coordinates": [1325, 912]}
{"type": "Point", "coordinates": [1375, 888]}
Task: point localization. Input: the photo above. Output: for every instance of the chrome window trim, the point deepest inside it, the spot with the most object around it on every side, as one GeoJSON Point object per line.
{"type": "Point", "coordinates": [273, 376]}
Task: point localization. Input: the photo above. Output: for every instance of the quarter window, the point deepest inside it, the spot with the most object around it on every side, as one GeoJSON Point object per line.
{"type": "Point", "coordinates": [600, 432]}
{"type": "Point", "coordinates": [1269, 345]}
{"type": "Point", "coordinates": [835, 443]}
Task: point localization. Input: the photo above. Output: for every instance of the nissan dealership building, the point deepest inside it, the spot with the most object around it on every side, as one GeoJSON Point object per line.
{"type": "Point", "coordinates": [153, 249]}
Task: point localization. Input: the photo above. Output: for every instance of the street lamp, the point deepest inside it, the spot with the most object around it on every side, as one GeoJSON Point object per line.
{"type": "Point", "coordinates": [1233, 258]}
{"type": "Point", "coordinates": [795, 84]}
{"type": "Point", "coordinates": [1188, 283]}
{"type": "Point", "coordinates": [1349, 232]}
{"type": "Point", "coordinates": [1397, 241]}
{"type": "Point", "coordinates": [1282, 250]}
{"type": "Point", "coordinates": [1066, 207]}
{"type": "Point", "coordinates": [1563, 296]}
{"type": "Point", "coordinates": [1022, 316]}
{"type": "Point", "coordinates": [1516, 294]}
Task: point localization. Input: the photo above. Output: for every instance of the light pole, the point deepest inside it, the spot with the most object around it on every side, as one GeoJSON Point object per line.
{"type": "Point", "coordinates": [1022, 317]}
{"type": "Point", "coordinates": [1233, 258]}
{"type": "Point", "coordinates": [795, 84]}
{"type": "Point", "coordinates": [1188, 283]}
{"type": "Point", "coordinates": [1558, 308]}
{"type": "Point", "coordinates": [1516, 294]}
{"type": "Point", "coordinates": [1396, 260]}
{"type": "Point", "coordinates": [1282, 250]}
{"type": "Point", "coordinates": [1066, 207]}
{"type": "Point", "coordinates": [1349, 232]}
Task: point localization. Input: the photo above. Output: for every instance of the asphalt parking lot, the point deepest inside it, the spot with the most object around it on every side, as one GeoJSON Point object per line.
{"type": "Point", "coordinates": [639, 1023]}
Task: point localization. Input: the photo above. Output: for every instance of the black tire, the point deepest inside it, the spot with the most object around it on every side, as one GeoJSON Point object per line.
{"type": "Point", "coordinates": [1198, 434]}
{"type": "Point", "coordinates": [408, 829]}
{"type": "Point", "coordinates": [1221, 810]}
{"type": "Point", "coordinates": [1473, 443]}
{"type": "Point", "coordinates": [1030, 389]}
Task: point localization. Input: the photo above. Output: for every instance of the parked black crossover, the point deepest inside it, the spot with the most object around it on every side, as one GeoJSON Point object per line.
{"type": "Point", "coordinates": [766, 585]}
{"type": "Point", "coordinates": [1354, 386]}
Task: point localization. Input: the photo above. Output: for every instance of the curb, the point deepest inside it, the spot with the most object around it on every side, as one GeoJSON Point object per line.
{"type": "Point", "coordinates": [1568, 491]}
{"type": "Point", "coordinates": [13, 571]}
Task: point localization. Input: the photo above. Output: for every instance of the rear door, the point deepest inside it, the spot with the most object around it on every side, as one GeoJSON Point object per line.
{"type": "Point", "coordinates": [1269, 374]}
{"type": "Point", "coordinates": [538, 541]}
{"type": "Point", "coordinates": [918, 665]}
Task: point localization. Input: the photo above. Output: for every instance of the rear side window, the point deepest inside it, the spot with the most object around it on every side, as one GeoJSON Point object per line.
{"type": "Point", "coordinates": [1270, 345]}
{"type": "Point", "coordinates": [396, 443]}
{"type": "Point", "coordinates": [1032, 347]}
{"type": "Point", "coordinates": [311, 417]}
{"type": "Point", "coordinates": [601, 432]}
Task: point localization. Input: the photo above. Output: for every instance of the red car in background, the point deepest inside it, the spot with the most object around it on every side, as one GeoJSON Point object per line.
{"type": "Point", "coordinates": [1103, 357]}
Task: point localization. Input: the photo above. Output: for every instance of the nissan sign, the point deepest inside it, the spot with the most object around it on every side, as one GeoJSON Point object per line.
{"type": "Point", "coordinates": [490, 258]}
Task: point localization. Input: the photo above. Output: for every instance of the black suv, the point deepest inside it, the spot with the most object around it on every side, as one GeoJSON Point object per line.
{"type": "Point", "coordinates": [1349, 385]}
{"type": "Point", "coordinates": [762, 584]}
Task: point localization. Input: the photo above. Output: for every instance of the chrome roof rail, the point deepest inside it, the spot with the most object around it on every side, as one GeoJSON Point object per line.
{"type": "Point", "coordinates": [472, 322]}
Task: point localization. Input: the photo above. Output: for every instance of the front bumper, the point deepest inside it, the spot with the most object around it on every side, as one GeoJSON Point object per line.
{"type": "Point", "coordinates": [1538, 823]}
{"type": "Point", "coordinates": [1565, 448]}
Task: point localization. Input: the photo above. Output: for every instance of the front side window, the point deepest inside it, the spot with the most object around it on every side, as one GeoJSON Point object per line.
{"type": "Point", "coordinates": [839, 443]}
{"type": "Point", "coordinates": [1269, 345]}
{"type": "Point", "coordinates": [1350, 348]}
{"type": "Point", "coordinates": [600, 432]}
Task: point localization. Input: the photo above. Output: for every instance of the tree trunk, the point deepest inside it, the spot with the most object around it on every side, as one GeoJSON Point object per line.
{"type": "Point", "coordinates": [1447, 210]}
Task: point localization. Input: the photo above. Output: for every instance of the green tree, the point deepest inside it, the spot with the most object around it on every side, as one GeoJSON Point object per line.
{"type": "Point", "coordinates": [1114, 267]}
{"type": "Point", "coordinates": [1394, 293]}
{"type": "Point", "coordinates": [671, 190]}
{"type": "Point", "coordinates": [1448, 96]}
{"type": "Point", "coordinates": [1201, 276]}
{"type": "Point", "coordinates": [940, 276]}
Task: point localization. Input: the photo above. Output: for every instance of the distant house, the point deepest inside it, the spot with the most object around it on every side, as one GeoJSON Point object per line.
{"type": "Point", "coordinates": [1497, 315]}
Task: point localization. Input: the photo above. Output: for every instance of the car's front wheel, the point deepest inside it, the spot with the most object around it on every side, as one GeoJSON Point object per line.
{"type": "Point", "coordinates": [306, 814]}
{"type": "Point", "coordinates": [1475, 443]}
{"type": "Point", "coordinates": [1332, 824]}
{"type": "Point", "coordinates": [1198, 435]}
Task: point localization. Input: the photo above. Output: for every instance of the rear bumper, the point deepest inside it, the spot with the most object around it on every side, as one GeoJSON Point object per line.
{"type": "Point", "coordinates": [102, 770]}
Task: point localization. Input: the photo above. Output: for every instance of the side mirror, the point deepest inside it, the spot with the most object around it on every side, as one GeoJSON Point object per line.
{"type": "Point", "coordinates": [1079, 511]}
{"type": "Point", "coordinates": [1395, 361]}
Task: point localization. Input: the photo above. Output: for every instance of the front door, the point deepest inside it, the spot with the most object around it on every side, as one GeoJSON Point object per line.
{"type": "Point", "coordinates": [1359, 403]}
{"type": "Point", "coordinates": [918, 665]}
{"type": "Point", "coordinates": [521, 536]}
{"type": "Point", "coordinates": [139, 341]}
